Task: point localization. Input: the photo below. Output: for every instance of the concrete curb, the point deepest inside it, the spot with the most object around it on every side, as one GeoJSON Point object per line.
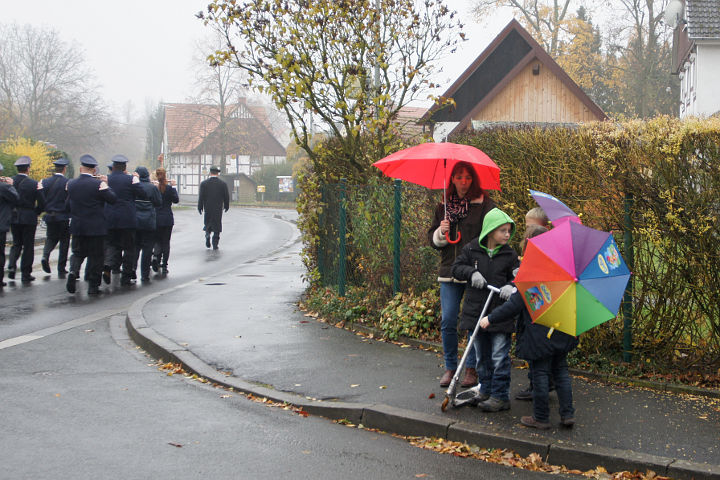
{"type": "Point", "coordinates": [406, 422]}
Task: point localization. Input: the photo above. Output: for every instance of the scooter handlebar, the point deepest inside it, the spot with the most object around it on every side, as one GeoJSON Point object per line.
{"type": "Point", "coordinates": [497, 290]}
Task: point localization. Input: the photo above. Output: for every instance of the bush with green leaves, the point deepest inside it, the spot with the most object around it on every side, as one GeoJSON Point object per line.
{"type": "Point", "coordinates": [412, 315]}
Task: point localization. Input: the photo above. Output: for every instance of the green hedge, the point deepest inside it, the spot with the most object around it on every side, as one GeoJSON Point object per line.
{"type": "Point", "coordinates": [670, 169]}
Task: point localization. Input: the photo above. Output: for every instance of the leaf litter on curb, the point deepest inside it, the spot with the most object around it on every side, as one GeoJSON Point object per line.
{"type": "Point", "coordinates": [532, 462]}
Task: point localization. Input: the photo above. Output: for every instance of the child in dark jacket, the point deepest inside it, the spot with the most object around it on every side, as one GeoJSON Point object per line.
{"type": "Point", "coordinates": [547, 357]}
{"type": "Point", "coordinates": [489, 260]}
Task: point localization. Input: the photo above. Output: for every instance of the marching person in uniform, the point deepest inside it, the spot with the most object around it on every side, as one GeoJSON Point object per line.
{"type": "Point", "coordinates": [87, 196]}
{"type": "Point", "coordinates": [213, 199]}
{"type": "Point", "coordinates": [8, 199]}
{"type": "Point", "coordinates": [146, 223]}
{"type": "Point", "coordinates": [56, 218]}
{"type": "Point", "coordinates": [24, 221]}
{"type": "Point", "coordinates": [122, 222]}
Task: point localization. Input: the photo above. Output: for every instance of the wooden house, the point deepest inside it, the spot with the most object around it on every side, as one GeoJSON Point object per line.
{"type": "Point", "coordinates": [512, 81]}
{"type": "Point", "coordinates": [193, 140]}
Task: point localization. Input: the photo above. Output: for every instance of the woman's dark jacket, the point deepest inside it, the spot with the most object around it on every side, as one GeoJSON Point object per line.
{"type": "Point", "coordinates": [532, 341]}
{"type": "Point", "coordinates": [164, 212]}
{"type": "Point", "coordinates": [469, 228]}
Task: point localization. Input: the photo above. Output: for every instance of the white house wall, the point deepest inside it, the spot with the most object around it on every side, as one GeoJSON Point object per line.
{"type": "Point", "coordinates": [707, 101]}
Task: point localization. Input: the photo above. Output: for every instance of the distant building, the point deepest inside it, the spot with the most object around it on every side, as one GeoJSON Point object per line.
{"type": "Point", "coordinates": [513, 81]}
{"type": "Point", "coordinates": [193, 140]}
{"type": "Point", "coordinates": [696, 57]}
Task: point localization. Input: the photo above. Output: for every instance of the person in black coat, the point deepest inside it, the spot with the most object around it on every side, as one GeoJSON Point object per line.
{"type": "Point", "coordinates": [165, 221]}
{"type": "Point", "coordinates": [87, 197]}
{"type": "Point", "coordinates": [56, 218]}
{"type": "Point", "coordinates": [8, 199]}
{"type": "Point", "coordinates": [213, 199]}
{"type": "Point", "coordinates": [24, 222]}
{"type": "Point", "coordinates": [547, 358]}
{"type": "Point", "coordinates": [146, 223]}
{"type": "Point", "coordinates": [485, 260]}
{"type": "Point", "coordinates": [545, 351]}
{"type": "Point", "coordinates": [122, 222]}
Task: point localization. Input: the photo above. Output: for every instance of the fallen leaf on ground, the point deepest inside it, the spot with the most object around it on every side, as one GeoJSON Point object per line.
{"type": "Point", "coordinates": [175, 444]}
{"type": "Point", "coordinates": [431, 396]}
{"type": "Point", "coordinates": [354, 385]}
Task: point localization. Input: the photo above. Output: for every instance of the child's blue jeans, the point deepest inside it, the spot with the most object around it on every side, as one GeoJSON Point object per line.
{"type": "Point", "coordinates": [493, 351]}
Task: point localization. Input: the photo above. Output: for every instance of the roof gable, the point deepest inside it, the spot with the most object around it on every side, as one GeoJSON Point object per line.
{"type": "Point", "coordinates": [504, 59]}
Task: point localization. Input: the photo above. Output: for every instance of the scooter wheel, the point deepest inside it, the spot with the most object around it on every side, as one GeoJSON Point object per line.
{"type": "Point", "coordinates": [444, 405]}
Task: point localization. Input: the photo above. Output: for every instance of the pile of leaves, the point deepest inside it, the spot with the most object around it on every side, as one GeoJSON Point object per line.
{"type": "Point", "coordinates": [412, 316]}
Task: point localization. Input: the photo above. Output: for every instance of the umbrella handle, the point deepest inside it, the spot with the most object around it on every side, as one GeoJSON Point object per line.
{"type": "Point", "coordinates": [447, 237]}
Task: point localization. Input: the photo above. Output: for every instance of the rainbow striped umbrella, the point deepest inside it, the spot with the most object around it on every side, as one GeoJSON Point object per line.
{"type": "Point", "coordinates": [572, 278]}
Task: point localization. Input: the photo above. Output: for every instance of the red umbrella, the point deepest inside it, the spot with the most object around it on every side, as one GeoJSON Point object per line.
{"type": "Point", "coordinates": [429, 165]}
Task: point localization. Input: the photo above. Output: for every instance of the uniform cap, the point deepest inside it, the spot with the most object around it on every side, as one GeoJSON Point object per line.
{"type": "Point", "coordinates": [119, 159]}
{"type": "Point", "coordinates": [61, 162]}
{"type": "Point", "coordinates": [215, 168]}
{"type": "Point", "coordinates": [88, 161]}
{"type": "Point", "coordinates": [23, 162]}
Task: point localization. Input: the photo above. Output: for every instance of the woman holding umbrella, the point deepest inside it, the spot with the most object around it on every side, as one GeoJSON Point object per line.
{"type": "Point", "coordinates": [455, 223]}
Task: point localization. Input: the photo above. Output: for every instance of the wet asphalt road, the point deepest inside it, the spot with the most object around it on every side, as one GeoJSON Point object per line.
{"type": "Point", "coordinates": [247, 233]}
{"type": "Point", "coordinates": [79, 400]}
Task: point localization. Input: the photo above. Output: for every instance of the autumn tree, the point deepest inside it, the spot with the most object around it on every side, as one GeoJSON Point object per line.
{"type": "Point", "coordinates": [220, 85]}
{"type": "Point", "coordinates": [581, 55]}
{"type": "Point", "coordinates": [344, 66]}
{"type": "Point", "coordinates": [40, 153]}
{"type": "Point", "coordinates": [547, 21]}
{"type": "Point", "coordinates": [642, 64]}
{"type": "Point", "coordinates": [46, 90]}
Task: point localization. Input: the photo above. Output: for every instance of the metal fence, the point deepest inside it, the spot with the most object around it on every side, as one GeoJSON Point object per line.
{"type": "Point", "coordinates": [375, 235]}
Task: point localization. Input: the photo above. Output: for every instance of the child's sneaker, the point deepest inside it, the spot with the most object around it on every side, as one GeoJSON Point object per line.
{"type": "Point", "coordinates": [567, 422]}
{"type": "Point", "coordinates": [530, 421]}
{"type": "Point", "coordinates": [494, 404]}
{"type": "Point", "coordinates": [525, 395]}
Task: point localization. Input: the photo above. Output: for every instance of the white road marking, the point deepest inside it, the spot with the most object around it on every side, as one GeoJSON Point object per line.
{"type": "Point", "coordinates": [11, 342]}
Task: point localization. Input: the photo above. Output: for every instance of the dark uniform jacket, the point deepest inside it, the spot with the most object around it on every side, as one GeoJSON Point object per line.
{"type": "Point", "coordinates": [8, 199]}
{"type": "Point", "coordinates": [123, 213]}
{"type": "Point", "coordinates": [30, 204]}
{"type": "Point", "coordinates": [164, 212]}
{"type": "Point", "coordinates": [86, 203]}
{"type": "Point", "coordinates": [54, 195]}
{"type": "Point", "coordinates": [469, 228]}
{"type": "Point", "coordinates": [532, 340]}
{"type": "Point", "coordinates": [497, 269]}
{"type": "Point", "coordinates": [146, 218]}
{"type": "Point", "coordinates": [213, 199]}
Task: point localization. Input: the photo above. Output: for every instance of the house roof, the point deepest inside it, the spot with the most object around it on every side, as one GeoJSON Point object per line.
{"type": "Point", "coordinates": [506, 56]}
{"type": "Point", "coordinates": [193, 128]}
{"type": "Point", "coordinates": [703, 19]}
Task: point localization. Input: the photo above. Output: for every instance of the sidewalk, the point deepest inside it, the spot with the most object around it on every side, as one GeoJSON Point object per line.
{"type": "Point", "coordinates": [244, 321]}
